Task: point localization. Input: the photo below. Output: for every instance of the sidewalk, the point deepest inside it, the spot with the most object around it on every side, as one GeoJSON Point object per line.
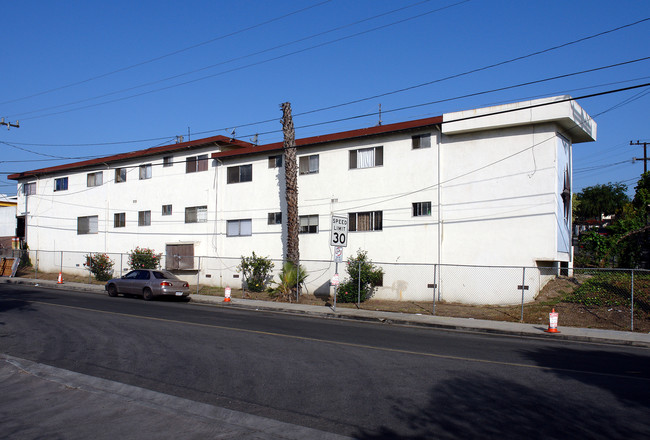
{"type": "Point", "coordinates": [442, 322]}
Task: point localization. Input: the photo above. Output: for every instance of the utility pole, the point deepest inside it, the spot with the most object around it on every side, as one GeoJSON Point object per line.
{"type": "Point", "coordinates": [645, 154]}
{"type": "Point", "coordinates": [9, 124]}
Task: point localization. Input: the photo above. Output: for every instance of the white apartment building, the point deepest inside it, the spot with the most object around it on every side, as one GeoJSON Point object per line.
{"type": "Point", "coordinates": [484, 187]}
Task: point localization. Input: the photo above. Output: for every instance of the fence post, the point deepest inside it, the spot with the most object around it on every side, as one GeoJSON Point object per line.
{"type": "Point", "coordinates": [121, 255]}
{"type": "Point", "coordinates": [298, 281]}
{"type": "Point", "coordinates": [90, 268]}
{"type": "Point", "coordinates": [359, 288]}
{"type": "Point", "coordinates": [36, 265]}
{"type": "Point", "coordinates": [523, 290]}
{"type": "Point", "coordinates": [61, 262]}
{"type": "Point", "coordinates": [198, 273]}
{"type": "Point", "coordinates": [632, 304]}
{"type": "Point", "coordinates": [435, 287]}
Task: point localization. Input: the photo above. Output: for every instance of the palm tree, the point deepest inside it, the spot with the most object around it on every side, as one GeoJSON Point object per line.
{"type": "Point", "coordinates": [291, 176]}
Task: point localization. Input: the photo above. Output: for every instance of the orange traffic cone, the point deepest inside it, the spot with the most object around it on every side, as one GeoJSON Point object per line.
{"type": "Point", "coordinates": [60, 281]}
{"type": "Point", "coordinates": [552, 322]}
{"type": "Point", "coordinates": [227, 298]}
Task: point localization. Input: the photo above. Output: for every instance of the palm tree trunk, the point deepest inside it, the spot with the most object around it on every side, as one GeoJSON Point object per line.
{"type": "Point", "coordinates": [291, 176]}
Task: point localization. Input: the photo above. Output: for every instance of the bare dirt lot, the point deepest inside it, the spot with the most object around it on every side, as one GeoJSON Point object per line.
{"type": "Point", "coordinates": [579, 301]}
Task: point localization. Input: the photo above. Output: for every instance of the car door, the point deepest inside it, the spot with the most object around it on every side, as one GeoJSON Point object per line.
{"type": "Point", "coordinates": [127, 284]}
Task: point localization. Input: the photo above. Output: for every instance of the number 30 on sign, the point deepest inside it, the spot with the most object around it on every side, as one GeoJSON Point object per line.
{"type": "Point", "coordinates": [339, 231]}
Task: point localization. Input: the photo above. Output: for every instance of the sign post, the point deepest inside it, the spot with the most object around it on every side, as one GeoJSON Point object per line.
{"type": "Point", "coordinates": [338, 239]}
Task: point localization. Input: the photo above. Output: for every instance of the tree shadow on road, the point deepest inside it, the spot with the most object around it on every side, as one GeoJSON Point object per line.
{"type": "Point", "coordinates": [476, 407]}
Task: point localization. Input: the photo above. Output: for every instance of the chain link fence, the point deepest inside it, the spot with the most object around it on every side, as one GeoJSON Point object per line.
{"type": "Point", "coordinates": [507, 293]}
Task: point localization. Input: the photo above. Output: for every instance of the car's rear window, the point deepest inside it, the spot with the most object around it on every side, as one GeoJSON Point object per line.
{"type": "Point", "coordinates": [164, 275]}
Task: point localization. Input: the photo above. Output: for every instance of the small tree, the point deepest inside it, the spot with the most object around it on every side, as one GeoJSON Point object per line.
{"type": "Point", "coordinates": [144, 258]}
{"type": "Point", "coordinates": [256, 271]}
{"type": "Point", "coordinates": [364, 277]}
{"type": "Point", "coordinates": [100, 265]}
{"type": "Point", "coordinates": [290, 278]}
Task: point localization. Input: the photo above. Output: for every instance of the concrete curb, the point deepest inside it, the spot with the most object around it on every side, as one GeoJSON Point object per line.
{"type": "Point", "coordinates": [613, 337]}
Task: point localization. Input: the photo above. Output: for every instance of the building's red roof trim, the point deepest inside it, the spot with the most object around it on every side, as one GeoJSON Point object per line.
{"type": "Point", "coordinates": [334, 137]}
{"type": "Point", "coordinates": [136, 154]}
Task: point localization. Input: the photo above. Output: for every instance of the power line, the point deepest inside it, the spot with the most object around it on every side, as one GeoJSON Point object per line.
{"type": "Point", "coordinates": [237, 68]}
{"type": "Point", "coordinates": [176, 52]}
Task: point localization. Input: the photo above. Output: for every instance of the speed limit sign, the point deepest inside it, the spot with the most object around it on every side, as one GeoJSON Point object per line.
{"type": "Point", "coordinates": [339, 236]}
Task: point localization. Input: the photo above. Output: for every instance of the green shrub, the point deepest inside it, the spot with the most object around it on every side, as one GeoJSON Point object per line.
{"type": "Point", "coordinates": [100, 265]}
{"type": "Point", "coordinates": [360, 285]}
{"type": "Point", "coordinates": [290, 278]}
{"type": "Point", "coordinates": [256, 272]}
{"type": "Point", "coordinates": [144, 258]}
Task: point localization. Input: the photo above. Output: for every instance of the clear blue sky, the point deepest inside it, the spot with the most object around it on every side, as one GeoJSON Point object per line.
{"type": "Point", "coordinates": [81, 73]}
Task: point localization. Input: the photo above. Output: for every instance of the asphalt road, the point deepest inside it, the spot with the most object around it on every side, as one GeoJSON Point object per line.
{"type": "Point", "coordinates": [368, 381]}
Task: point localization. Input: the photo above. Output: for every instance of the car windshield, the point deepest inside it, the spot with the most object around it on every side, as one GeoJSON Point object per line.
{"type": "Point", "coordinates": [164, 275]}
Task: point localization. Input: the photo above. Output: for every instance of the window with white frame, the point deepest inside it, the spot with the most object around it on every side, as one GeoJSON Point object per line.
{"type": "Point", "coordinates": [365, 221]}
{"type": "Point", "coordinates": [29, 189]}
{"type": "Point", "coordinates": [168, 161]}
{"type": "Point", "coordinates": [196, 164]}
{"type": "Point", "coordinates": [367, 157]}
{"type": "Point", "coordinates": [166, 209]}
{"type": "Point", "coordinates": [308, 164]}
{"type": "Point", "coordinates": [421, 209]}
{"type": "Point", "coordinates": [120, 175]}
{"type": "Point", "coordinates": [119, 219]}
{"type": "Point", "coordinates": [196, 214]}
{"type": "Point", "coordinates": [421, 141]}
{"type": "Point", "coordinates": [275, 161]}
{"type": "Point", "coordinates": [240, 173]}
{"type": "Point", "coordinates": [61, 184]}
{"type": "Point", "coordinates": [144, 218]}
{"type": "Point", "coordinates": [87, 225]}
{"type": "Point", "coordinates": [308, 224]}
{"type": "Point", "coordinates": [275, 218]}
{"type": "Point", "coordinates": [237, 228]}
{"type": "Point", "coordinates": [94, 179]}
{"type": "Point", "coordinates": [145, 171]}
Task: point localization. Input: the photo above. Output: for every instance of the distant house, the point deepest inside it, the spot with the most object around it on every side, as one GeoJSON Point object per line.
{"type": "Point", "coordinates": [484, 187]}
{"type": "Point", "coordinates": [7, 220]}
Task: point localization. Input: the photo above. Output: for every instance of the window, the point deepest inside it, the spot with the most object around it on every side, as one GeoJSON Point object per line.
{"type": "Point", "coordinates": [239, 228]}
{"type": "Point", "coordinates": [195, 164]}
{"type": "Point", "coordinates": [308, 224]}
{"type": "Point", "coordinates": [275, 218]}
{"type": "Point", "coordinates": [367, 157]}
{"type": "Point", "coordinates": [95, 179]}
{"type": "Point", "coordinates": [61, 184]}
{"type": "Point", "coordinates": [241, 173]}
{"type": "Point", "coordinates": [145, 171]}
{"type": "Point", "coordinates": [144, 218]}
{"type": "Point", "coordinates": [196, 214]}
{"type": "Point", "coordinates": [179, 257]}
{"type": "Point", "coordinates": [29, 188]}
{"type": "Point", "coordinates": [308, 164]}
{"type": "Point", "coordinates": [119, 219]}
{"type": "Point", "coordinates": [166, 209]}
{"type": "Point", "coordinates": [421, 208]}
{"type": "Point", "coordinates": [87, 225]}
{"type": "Point", "coordinates": [421, 141]}
{"type": "Point", "coordinates": [120, 175]}
{"type": "Point", "coordinates": [275, 161]}
{"type": "Point", "coordinates": [365, 221]}
{"type": "Point", "coordinates": [168, 161]}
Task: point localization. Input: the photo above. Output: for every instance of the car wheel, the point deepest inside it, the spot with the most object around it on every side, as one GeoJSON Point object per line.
{"type": "Point", "coordinates": [112, 290]}
{"type": "Point", "coordinates": [147, 294]}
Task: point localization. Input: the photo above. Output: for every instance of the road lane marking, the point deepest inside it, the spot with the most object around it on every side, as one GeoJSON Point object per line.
{"type": "Point", "coordinates": [349, 344]}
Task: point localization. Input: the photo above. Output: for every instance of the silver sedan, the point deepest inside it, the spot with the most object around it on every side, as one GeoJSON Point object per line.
{"type": "Point", "coordinates": [148, 283]}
